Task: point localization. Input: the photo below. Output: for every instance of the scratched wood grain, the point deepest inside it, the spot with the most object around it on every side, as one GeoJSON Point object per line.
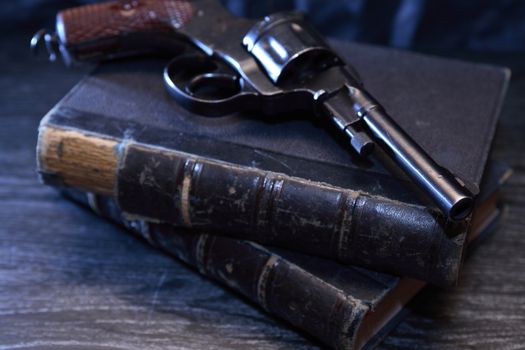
{"type": "Point", "coordinates": [71, 281]}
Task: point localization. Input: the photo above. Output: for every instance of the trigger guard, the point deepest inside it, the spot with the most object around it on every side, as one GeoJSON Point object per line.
{"type": "Point", "coordinates": [184, 70]}
{"type": "Point", "coordinates": [230, 85]}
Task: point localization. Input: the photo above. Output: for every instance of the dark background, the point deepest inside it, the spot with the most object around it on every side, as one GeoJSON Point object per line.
{"type": "Point", "coordinates": [416, 24]}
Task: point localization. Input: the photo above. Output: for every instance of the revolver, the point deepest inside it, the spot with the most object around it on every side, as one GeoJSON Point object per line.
{"type": "Point", "coordinates": [224, 64]}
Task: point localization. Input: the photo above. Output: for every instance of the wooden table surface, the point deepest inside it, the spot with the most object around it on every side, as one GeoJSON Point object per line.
{"type": "Point", "coordinates": [69, 280]}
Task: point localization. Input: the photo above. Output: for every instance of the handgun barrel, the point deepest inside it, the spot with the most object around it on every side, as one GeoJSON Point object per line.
{"type": "Point", "coordinates": [442, 186]}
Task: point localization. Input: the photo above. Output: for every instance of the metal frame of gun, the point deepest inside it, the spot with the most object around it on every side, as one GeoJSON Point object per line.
{"type": "Point", "coordinates": [225, 64]}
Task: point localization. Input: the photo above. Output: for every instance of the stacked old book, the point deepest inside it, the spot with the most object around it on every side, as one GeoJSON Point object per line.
{"type": "Point", "coordinates": [279, 209]}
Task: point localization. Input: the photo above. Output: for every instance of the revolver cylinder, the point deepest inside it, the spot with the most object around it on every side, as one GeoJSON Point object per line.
{"type": "Point", "coordinates": [286, 46]}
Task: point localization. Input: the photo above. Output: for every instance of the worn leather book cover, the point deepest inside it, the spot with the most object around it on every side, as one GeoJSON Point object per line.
{"type": "Point", "coordinates": [343, 306]}
{"type": "Point", "coordinates": [284, 181]}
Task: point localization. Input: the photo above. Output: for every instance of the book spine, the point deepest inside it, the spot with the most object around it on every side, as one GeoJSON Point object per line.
{"type": "Point", "coordinates": [278, 286]}
{"type": "Point", "coordinates": [168, 186]}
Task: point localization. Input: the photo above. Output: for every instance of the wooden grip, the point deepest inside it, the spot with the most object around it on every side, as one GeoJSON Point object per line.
{"type": "Point", "coordinates": [99, 29]}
